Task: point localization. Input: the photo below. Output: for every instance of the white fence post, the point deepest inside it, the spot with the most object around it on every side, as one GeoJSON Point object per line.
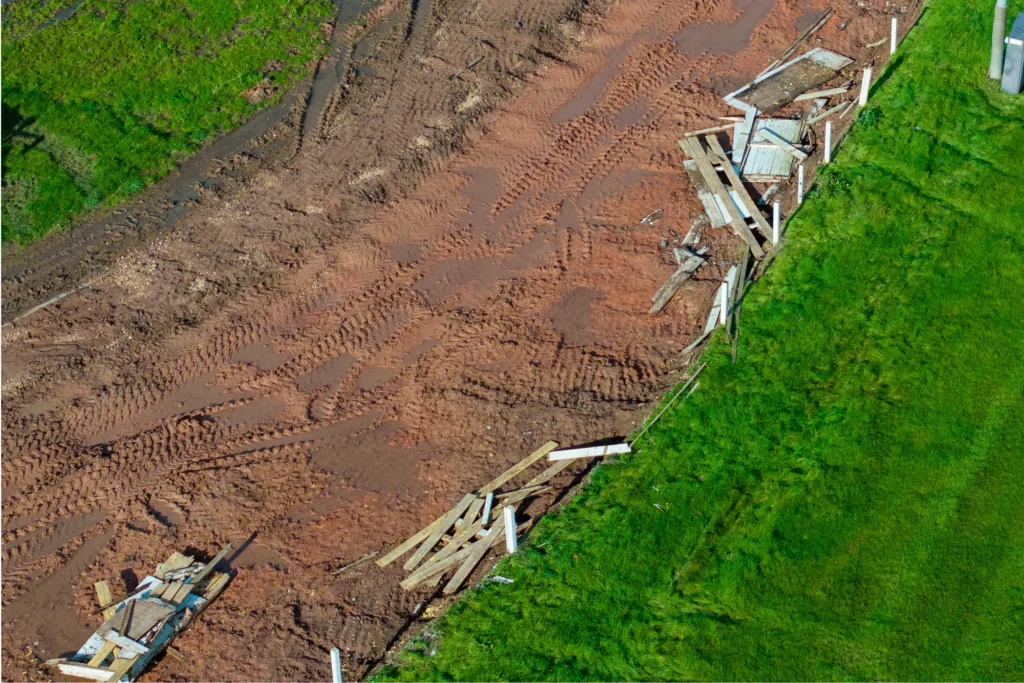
{"type": "Point", "coordinates": [776, 207]}
{"type": "Point", "coordinates": [828, 142]}
{"type": "Point", "coordinates": [335, 665]}
{"type": "Point", "coordinates": [892, 40]}
{"type": "Point", "coordinates": [511, 542]}
{"type": "Point", "coordinates": [865, 85]}
{"type": "Point", "coordinates": [800, 184]}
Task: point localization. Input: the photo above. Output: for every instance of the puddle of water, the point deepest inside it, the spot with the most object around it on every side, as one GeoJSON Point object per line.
{"type": "Point", "coordinates": [573, 314]}
{"type": "Point", "coordinates": [721, 37]}
{"type": "Point", "coordinates": [332, 70]}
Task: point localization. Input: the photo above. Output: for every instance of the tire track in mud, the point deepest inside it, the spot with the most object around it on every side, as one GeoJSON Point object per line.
{"type": "Point", "coordinates": [565, 375]}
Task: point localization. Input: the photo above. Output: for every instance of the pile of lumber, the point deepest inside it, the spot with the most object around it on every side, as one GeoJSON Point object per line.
{"type": "Point", "coordinates": [140, 625]}
{"type": "Point", "coordinates": [762, 150]}
{"type": "Point", "coordinates": [460, 539]}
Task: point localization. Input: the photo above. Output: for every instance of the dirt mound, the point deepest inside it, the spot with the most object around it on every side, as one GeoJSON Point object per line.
{"type": "Point", "coordinates": [319, 363]}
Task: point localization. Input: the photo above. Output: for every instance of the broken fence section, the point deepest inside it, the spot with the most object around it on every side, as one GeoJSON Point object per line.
{"type": "Point", "coordinates": [139, 626]}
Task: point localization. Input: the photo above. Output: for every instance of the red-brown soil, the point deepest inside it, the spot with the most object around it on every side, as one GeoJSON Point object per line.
{"type": "Point", "coordinates": [318, 360]}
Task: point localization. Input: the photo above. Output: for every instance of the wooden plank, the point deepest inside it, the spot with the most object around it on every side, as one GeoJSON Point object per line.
{"type": "Point", "coordinates": [121, 667]}
{"type": "Point", "coordinates": [476, 553]}
{"type": "Point", "coordinates": [713, 213]}
{"type": "Point", "coordinates": [550, 472]}
{"type": "Point", "coordinates": [458, 540]}
{"type": "Point", "coordinates": [473, 511]}
{"type": "Point", "coordinates": [525, 464]}
{"type": "Point", "coordinates": [783, 144]}
{"type": "Point", "coordinates": [173, 563]}
{"type": "Point", "coordinates": [216, 586]}
{"type": "Point", "coordinates": [821, 93]}
{"type": "Point", "coordinates": [126, 617]}
{"type": "Point", "coordinates": [410, 543]}
{"type": "Point", "coordinates": [435, 536]}
{"type": "Point", "coordinates": [103, 595]}
{"type": "Point", "coordinates": [125, 643]}
{"type": "Point", "coordinates": [668, 290]}
{"type": "Point", "coordinates": [825, 114]}
{"type": "Point", "coordinates": [778, 87]}
{"type": "Point", "coordinates": [737, 185]}
{"type": "Point", "coordinates": [744, 132]}
{"type": "Point", "coordinates": [84, 671]}
{"type": "Point", "coordinates": [696, 150]}
{"type": "Point", "coordinates": [97, 659]}
{"type": "Point", "coordinates": [430, 569]}
{"type": "Point", "coordinates": [712, 129]}
{"type": "Point", "coordinates": [211, 565]}
{"type": "Point", "coordinates": [180, 594]}
{"type": "Point", "coordinates": [811, 30]}
{"type": "Point", "coordinates": [590, 452]}
{"type": "Point", "coordinates": [525, 490]}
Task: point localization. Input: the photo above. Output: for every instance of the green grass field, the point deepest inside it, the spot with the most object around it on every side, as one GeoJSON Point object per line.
{"type": "Point", "coordinates": [847, 501]}
{"type": "Point", "coordinates": [100, 105]}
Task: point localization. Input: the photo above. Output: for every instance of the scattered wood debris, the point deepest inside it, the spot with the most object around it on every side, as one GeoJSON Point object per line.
{"type": "Point", "coordinates": [776, 88]}
{"type": "Point", "coordinates": [460, 538]}
{"type": "Point", "coordinates": [142, 624]}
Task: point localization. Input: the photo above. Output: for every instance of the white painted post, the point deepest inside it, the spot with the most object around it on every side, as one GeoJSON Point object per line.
{"type": "Point", "coordinates": [776, 208]}
{"type": "Point", "coordinates": [800, 184]}
{"type": "Point", "coordinates": [995, 66]}
{"type": "Point", "coordinates": [828, 142]}
{"type": "Point", "coordinates": [488, 503]}
{"type": "Point", "coordinates": [723, 314]}
{"type": "Point", "coordinates": [511, 543]}
{"type": "Point", "coordinates": [336, 665]}
{"type": "Point", "coordinates": [865, 85]}
{"type": "Point", "coordinates": [892, 38]}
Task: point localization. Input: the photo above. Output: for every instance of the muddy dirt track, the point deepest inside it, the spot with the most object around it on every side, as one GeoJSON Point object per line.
{"type": "Point", "coordinates": [367, 319]}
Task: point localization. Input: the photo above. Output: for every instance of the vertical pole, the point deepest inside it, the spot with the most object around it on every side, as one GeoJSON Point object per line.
{"type": "Point", "coordinates": [336, 665]}
{"type": "Point", "coordinates": [892, 38]}
{"type": "Point", "coordinates": [865, 85]}
{"type": "Point", "coordinates": [776, 207]}
{"type": "Point", "coordinates": [488, 503]}
{"type": "Point", "coordinates": [995, 65]}
{"type": "Point", "coordinates": [800, 184]}
{"type": "Point", "coordinates": [723, 303]}
{"type": "Point", "coordinates": [828, 142]}
{"type": "Point", "coordinates": [511, 543]}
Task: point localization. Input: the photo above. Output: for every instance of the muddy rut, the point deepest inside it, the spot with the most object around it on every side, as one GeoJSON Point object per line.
{"type": "Point", "coordinates": [319, 358]}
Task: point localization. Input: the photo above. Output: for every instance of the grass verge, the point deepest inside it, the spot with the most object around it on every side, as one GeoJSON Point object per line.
{"type": "Point", "coordinates": [846, 502]}
{"type": "Point", "coordinates": [103, 97]}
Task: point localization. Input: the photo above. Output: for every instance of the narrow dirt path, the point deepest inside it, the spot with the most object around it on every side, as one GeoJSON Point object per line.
{"type": "Point", "coordinates": [356, 367]}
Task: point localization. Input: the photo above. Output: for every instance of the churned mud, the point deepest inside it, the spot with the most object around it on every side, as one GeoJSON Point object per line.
{"type": "Point", "coordinates": [327, 350]}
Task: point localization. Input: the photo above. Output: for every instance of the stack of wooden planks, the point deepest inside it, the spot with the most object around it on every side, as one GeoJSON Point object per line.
{"type": "Point", "coordinates": [738, 202]}
{"type": "Point", "coordinates": [142, 624]}
{"type": "Point", "coordinates": [459, 539]}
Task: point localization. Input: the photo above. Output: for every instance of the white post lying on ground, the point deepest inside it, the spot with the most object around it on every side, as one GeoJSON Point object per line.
{"type": "Point", "coordinates": [828, 142]}
{"type": "Point", "coordinates": [892, 38]}
{"type": "Point", "coordinates": [800, 184]}
{"type": "Point", "coordinates": [865, 85]}
{"type": "Point", "coordinates": [590, 452]}
{"type": "Point", "coordinates": [995, 65]}
{"type": "Point", "coordinates": [511, 543]}
{"type": "Point", "coordinates": [488, 503]}
{"type": "Point", "coordinates": [776, 207]}
{"type": "Point", "coordinates": [335, 665]}
{"type": "Point", "coordinates": [723, 314]}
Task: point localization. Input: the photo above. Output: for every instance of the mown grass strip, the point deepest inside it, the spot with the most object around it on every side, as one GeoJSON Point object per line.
{"type": "Point", "coordinates": [100, 104]}
{"type": "Point", "coordinates": [847, 501]}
